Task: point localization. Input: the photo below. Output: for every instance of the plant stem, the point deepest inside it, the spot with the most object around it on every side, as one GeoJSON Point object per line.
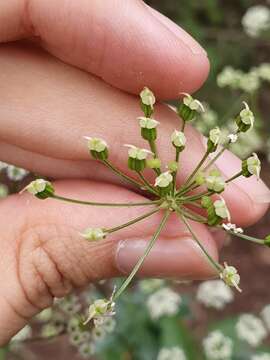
{"type": "Point", "coordinates": [121, 174]}
{"type": "Point", "coordinates": [246, 237]}
{"type": "Point", "coordinates": [81, 202]}
{"type": "Point", "coordinates": [153, 148]}
{"type": "Point", "coordinates": [234, 177]}
{"type": "Point", "coordinates": [131, 222]}
{"type": "Point", "coordinates": [198, 196]}
{"type": "Point", "coordinates": [195, 171]}
{"type": "Point", "coordinates": [147, 184]}
{"type": "Point", "coordinates": [143, 257]}
{"type": "Point", "coordinates": [215, 265]}
{"type": "Point", "coordinates": [193, 216]}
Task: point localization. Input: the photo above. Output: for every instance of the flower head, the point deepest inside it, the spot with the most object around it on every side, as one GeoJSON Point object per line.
{"type": "Point", "coordinates": [221, 209]}
{"type": "Point", "coordinates": [94, 234]}
{"type": "Point", "coordinates": [192, 103]}
{"type": "Point", "coordinates": [96, 144]}
{"type": "Point", "coordinates": [40, 188]}
{"type": "Point", "coordinates": [254, 165]}
{"type": "Point", "coordinates": [147, 97]}
{"type": "Point", "coordinates": [164, 180]}
{"type": "Point", "coordinates": [251, 329]}
{"type": "Point", "coordinates": [233, 228]}
{"type": "Point", "coordinates": [215, 294]}
{"type": "Point", "coordinates": [230, 276]}
{"type": "Point", "coordinates": [215, 135]}
{"type": "Point", "coordinates": [148, 123]}
{"type": "Point", "coordinates": [163, 302]}
{"type": "Point", "coordinates": [217, 346]}
{"type": "Point", "coordinates": [137, 153]}
{"type": "Point", "coordinates": [233, 138]}
{"type": "Point", "coordinates": [172, 353]}
{"type": "Point", "coordinates": [178, 139]}
{"type": "Point", "coordinates": [215, 182]}
{"type": "Point", "coordinates": [247, 115]}
{"type": "Point", "coordinates": [101, 308]}
{"type": "Point", "coordinates": [256, 20]}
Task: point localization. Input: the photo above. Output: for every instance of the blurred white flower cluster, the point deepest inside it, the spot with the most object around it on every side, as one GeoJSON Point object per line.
{"type": "Point", "coordinates": [172, 353]}
{"type": "Point", "coordinates": [217, 346]}
{"type": "Point", "coordinates": [214, 293]}
{"type": "Point", "coordinates": [14, 173]}
{"type": "Point", "coordinates": [256, 20]}
{"type": "Point", "coordinates": [262, 356]}
{"type": "Point", "coordinates": [251, 329]}
{"type": "Point", "coordinates": [163, 302]}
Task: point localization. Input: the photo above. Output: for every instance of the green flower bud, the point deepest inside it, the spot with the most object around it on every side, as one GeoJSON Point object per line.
{"type": "Point", "coordinates": [230, 276]}
{"type": "Point", "coordinates": [245, 120]}
{"type": "Point", "coordinates": [200, 179]}
{"type": "Point", "coordinates": [215, 182]}
{"type": "Point", "coordinates": [173, 166]}
{"type": "Point", "coordinates": [251, 166]}
{"type": "Point", "coordinates": [41, 188]}
{"type": "Point", "coordinates": [189, 108]}
{"type": "Point", "coordinates": [94, 234]}
{"type": "Point", "coordinates": [164, 183]}
{"type": "Point", "coordinates": [153, 163]}
{"type": "Point", "coordinates": [98, 148]}
{"type": "Point", "coordinates": [178, 140]}
{"type": "Point", "coordinates": [216, 211]}
{"type": "Point", "coordinates": [213, 140]}
{"type": "Point", "coordinates": [147, 101]}
{"type": "Point", "coordinates": [267, 240]}
{"type": "Point", "coordinates": [148, 128]}
{"type": "Point", "coordinates": [137, 157]}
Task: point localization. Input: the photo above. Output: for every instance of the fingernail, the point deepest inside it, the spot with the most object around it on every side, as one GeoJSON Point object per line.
{"type": "Point", "coordinates": [229, 164]}
{"type": "Point", "coordinates": [188, 40]}
{"type": "Point", "coordinates": [174, 258]}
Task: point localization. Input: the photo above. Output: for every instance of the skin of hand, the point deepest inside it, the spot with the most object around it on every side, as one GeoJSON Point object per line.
{"type": "Point", "coordinates": [69, 69]}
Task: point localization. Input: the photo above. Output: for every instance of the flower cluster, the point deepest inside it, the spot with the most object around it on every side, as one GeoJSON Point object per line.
{"type": "Point", "coordinates": [201, 190]}
{"type": "Point", "coordinates": [217, 346]}
{"type": "Point", "coordinates": [13, 173]}
{"type": "Point", "coordinates": [256, 20]}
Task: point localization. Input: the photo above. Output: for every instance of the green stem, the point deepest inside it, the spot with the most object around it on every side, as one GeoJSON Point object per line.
{"type": "Point", "coordinates": [183, 125]}
{"type": "Point", "coordinates": [225, 147]}
{"type": "Point", "coordinates": [81, 202]}
{"type": "Point", "coordinates": [216, 266]}
{"type": "Point", "coordinates": [246, 237]}
{"type": "Point", "coordinates": [143, 257]}
{"type": "Point", "coordinates": [147, 184]}
{"type": "Point", "coordinates": [193, 216]}
{"type": "Point", "coordinates": [121, 174]}
{"type": "Point", "coordinates": [234, 177]}
{"type": "Point", "coordinates": [177, 155]}
{"type": "Point", "coordinates": [195, 171]}
{"type": "Point", "coordinates": [131, 222]}
{"type": "Point", "coordinates": [153, 148]}
{"type": "Point", "coordinates": [198, 196]}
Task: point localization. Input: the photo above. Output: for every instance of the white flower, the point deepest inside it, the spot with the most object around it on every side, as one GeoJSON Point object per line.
{"type": "Point", "coordinates": [215, 135]}
{"type": "Point", "coordinates": [108, 324]}
{"type": "Point", "coordinates": [99, 309]}
{"type": "Point", "coordinates": [96, 144]}
{"type": "Point", "coordinates": [24, 334]}
{"type": "Point", "coordinates": [233, 138]}
{"type": "Point", "coordinates": [148, 123]}
{"type": "Point", "coordinates": [37, 186]}
{"type": "Point", "coordinates": [16, 174]}
{"type": "Point", "coordinates": [150, 285]}
{"type": "Point", "coordinates": [230, 276]}
{"type": "Point", "coordinates": [221, 209]}
{"type": "Point", "coordinates": [137, 153]}
{"type": "Point", "coordinates": [86, 350]}
{"type": "Point", "coordinates": [94, 234]}
{"type": "Point", "coordinates": [254, 165]}
{"type": "Point", "coordinates": [214, 293]}
{"type": "Point", "coordinates": [147, 97]}
{"type": "Point", "coordinates": [251, 329]}
{"type": "Point", "coordinates": [163, 302]}
{"type": "Point", "coordinates": [215, 182]}
{"type": "Point", "coordinates": [164, 179]}
{"type": "Point", "coordinates": [3, 165]}
{"type": "Point", "coordinates": [233, 228]}
{"type": "Point", "coordinates": [193, 104]}
{"type": "Point", "coordinates": [178, 138]}
{"type": "Point", "coordinates": [217, 346]}
{"type": "Point", "coordinates": [262, 356]}
{"type": "Point", "coordinates": [229, 77]}
{"type": "Point", "coordinates": [250, 81]}
{"type": "Point", "coordinates": [172, 353]}
{"type": "Point", "coordinates": [265, 314]}
{"type": "Point", "coordinates": [256, 20]}
{"type": "Point", "coordinates": [247, 116]}
{"type": "Point", "coordinates": [264, 71]}
{"type": "Point", "coordinates": [98, 333]}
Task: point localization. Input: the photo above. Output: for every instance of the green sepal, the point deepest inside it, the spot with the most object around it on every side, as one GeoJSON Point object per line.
{"type": "Point", "coordinates": [46, 193]}
{"type": "Point", "coordinates": [211, 147]}
{"type": "Point", "coordinates": [242, 127]}
{"type": "Point", "coordinates": [147, 110]}
{"type": "Point", "coordinates": [100, 155]}
{"type": "Point", "coordinates": [245, 171]}
{"type": "Point", "coordinates": [186, 113]}
{"type": "Point", "coordinates": [163, 191]}
{"type": "Point", "coordinates": [149, 134]}
{"type": "Point", "coordinates": [136, 165]}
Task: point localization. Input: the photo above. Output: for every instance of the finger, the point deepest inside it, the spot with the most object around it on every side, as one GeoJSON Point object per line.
{"type": "Point", "coordinates": [44, 127]}
{"type": "Point", "coordinates": [124, 42]}
{"type": "Point", "coordinates": [43, 256]}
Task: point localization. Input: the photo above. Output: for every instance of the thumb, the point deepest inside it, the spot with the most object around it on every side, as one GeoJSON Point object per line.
{"type": "Point", "coordinates": [124, 42]}
{"type": "Point", "coordinates": [42, 255]}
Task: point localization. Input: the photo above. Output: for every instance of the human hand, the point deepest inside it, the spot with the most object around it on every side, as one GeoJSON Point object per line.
{"type": "Point", "coordinates": [47, 107]}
